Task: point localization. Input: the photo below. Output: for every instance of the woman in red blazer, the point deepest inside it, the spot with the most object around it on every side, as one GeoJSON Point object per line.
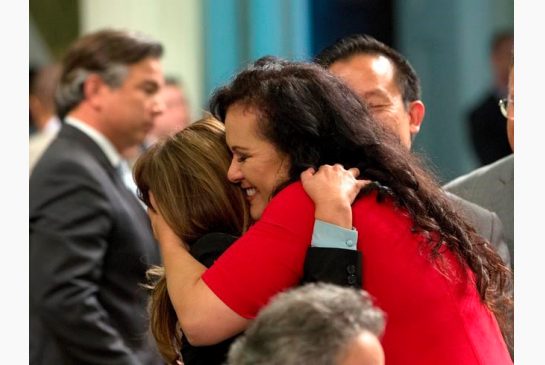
{"type": "Point", "coordinates": [442, 287]}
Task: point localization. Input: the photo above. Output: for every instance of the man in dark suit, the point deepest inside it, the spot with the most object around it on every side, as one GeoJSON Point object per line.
{"type": "Point", "coordinates": [486, 124]}
{"type": "Point", "coordinates": [90, 239]}
{"type": "Point", "coordinates": [388, 84]}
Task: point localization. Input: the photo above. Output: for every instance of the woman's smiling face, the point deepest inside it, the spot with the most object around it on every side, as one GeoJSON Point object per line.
{"type": "Point", "coordinates": [256, 165]}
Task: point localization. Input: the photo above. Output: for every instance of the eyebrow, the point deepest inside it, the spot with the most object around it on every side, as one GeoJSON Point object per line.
{"type": "Point", "coordinates": [238, 149]}
{"type": "Point", "coordinates": [375, 93]}
{"type": "Point", "coordinates": [150, 83]}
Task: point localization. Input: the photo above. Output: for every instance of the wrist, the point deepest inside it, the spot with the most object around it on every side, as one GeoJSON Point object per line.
{"type": "Point", "coordinates": [171, 241]}
{"type": "Point", "coordinates": [337, 214]}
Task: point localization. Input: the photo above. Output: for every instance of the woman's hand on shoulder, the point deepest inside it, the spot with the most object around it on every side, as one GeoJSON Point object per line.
{"type": "Point", "coordinates": [333, 189]}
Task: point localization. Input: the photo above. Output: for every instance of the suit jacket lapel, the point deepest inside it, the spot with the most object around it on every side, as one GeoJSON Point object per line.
{"type": "Point", "coordinates": [72, 133]}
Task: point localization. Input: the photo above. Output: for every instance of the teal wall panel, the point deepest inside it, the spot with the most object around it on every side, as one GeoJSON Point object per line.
{"type": "Point", "coordinates": [240, 31]}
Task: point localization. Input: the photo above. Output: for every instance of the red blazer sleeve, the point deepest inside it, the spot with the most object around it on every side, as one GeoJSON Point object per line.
{"type": "Point", "coordinates": [269, 257]}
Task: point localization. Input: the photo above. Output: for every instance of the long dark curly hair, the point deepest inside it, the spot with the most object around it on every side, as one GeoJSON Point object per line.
{"type": "Point", "coordinates": [312, 117]}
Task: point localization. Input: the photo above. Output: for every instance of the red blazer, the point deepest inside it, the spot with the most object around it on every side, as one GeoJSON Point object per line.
{"type": "Point", "coordinates": [433, 311]}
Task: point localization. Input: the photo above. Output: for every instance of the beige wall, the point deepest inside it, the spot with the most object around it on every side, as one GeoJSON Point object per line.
{"type": "Point", "coordinates": [177, 24]}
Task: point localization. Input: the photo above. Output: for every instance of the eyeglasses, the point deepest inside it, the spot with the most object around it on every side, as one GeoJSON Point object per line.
{"type": "Point", "coordinates": [504, 104]}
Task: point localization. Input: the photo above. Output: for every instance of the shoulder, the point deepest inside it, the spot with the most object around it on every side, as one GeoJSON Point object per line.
{"type": "Point", "coordinates": [472, 210]}
{"type": "Point", "coordinates": [67, 170]}
{"type": "Point", "coordinates": [58, 162]}
{"type": "Point", "coordinates": [210, 246]}
{"type": "Point", "coordinates": [294, 190]}
{"type": "Point", "coordinates": [486, 222]}
{"type": "Point", "coordinates": [380, 215]}
{"type": "Point", "coordinates": [72, 154]}
{"type": "Point", "coordinates": [481, 176]}
{"type": "Point", "coordinates": [291, 207]}
{"type": "Point", "coordinates": [293, 197]}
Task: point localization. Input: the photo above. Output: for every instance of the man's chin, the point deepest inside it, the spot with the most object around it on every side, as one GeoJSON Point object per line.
{"type": "Point", "coordinates": [140, 138]}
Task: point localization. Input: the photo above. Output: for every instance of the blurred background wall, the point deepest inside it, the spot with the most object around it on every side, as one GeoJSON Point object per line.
{"type": "Point", "coordinates": [207, 41]}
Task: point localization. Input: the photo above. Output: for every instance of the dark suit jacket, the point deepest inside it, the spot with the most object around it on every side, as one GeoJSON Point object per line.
{"type": "Point", "coordinates": [90, 245]}
{"type": "Point", "coordinates": [487, 130]}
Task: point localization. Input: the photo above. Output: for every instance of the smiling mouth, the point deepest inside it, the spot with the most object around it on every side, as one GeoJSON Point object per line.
{"type": "Point", "coordinates": [250, 192]}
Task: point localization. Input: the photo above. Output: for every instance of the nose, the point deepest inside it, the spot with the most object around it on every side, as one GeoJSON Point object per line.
{"type": "Point", "coordinates": [159, 105]}
{"type": "Point", "coordinates": [234, 174]}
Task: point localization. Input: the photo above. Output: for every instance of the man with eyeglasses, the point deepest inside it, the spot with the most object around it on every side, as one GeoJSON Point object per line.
{"type": "Point", "coordinates": [491, 186]}
{"type": "Point", "coordinates": [507, 107]}
{"type": "Point", "coordinates": [484, 120]}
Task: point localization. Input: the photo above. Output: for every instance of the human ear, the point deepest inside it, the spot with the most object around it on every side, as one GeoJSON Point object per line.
{"type": "Point", "coordinates": [416, 111]}
{"type": "Point", "coordinates": [93, 89]}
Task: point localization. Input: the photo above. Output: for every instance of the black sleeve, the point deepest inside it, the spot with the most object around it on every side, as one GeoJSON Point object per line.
{"type": "Point", "coordinates": [206, 250]}
{"type": "Point", "coordinates": [333, 265]}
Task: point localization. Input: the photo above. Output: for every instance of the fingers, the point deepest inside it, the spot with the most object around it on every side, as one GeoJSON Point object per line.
{"type": "Point", "coordinates": [354, 171]}
{"type": "Point", "coordinates": [325, 169]}
{"type": "Point", "coordinates": [307, 174]}
{"type": "Point", "coordinates": [361, 183]}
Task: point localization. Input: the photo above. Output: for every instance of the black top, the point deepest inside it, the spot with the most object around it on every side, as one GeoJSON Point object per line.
{"type": "Point", "coordinates": [206, 250]}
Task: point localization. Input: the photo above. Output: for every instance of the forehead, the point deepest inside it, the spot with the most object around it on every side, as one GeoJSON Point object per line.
{"type": "Point", "coordinates": [364, 350]}
{"type": "Point", "coordinates": [148, 68]}
{"type": "Point", "coordinates": [365, 68]}
{"type": "Point", "coordinates": [241, 124]}
{"type": "Point", "coordinates": [369, 75]}
{"type": "Point", "coordinates": [172, 90]}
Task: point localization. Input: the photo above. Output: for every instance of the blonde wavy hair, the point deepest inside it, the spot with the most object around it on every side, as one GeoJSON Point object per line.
{"type": "Point", "coordinates": [187, 174]}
